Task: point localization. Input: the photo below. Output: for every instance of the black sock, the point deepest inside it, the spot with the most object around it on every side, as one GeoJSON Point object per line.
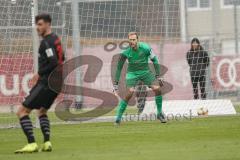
{"type": "Point", "coordinates": [45, 127]}
{"type": "Point", "coordinates": [27, 128]}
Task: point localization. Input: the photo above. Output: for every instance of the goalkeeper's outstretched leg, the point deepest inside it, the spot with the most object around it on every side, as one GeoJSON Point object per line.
{"type": "Point", "coordinates": [123, 104]}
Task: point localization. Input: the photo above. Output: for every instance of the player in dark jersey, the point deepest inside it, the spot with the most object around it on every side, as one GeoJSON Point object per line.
{"type": "Point", "coordinates": [41, 97]}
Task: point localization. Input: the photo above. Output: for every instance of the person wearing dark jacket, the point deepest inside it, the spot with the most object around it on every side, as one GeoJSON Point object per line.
{"type": "Point", "coordinates": [198, 61]}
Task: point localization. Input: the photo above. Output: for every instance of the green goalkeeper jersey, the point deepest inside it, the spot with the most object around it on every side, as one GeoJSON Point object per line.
{"type": "Point", "coordinates": [137, 60]}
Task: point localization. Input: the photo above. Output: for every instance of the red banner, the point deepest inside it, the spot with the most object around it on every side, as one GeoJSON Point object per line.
{"type": "Point", "coordinates": [15, 73]}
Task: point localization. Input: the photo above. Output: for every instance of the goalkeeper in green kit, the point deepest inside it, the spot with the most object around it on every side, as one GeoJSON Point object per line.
{"type": "Point", "coordinates": [138, 55]}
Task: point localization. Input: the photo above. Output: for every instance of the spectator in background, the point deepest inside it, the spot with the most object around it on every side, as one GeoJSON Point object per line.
{"type": "Point", "coordinates": [198, 61]}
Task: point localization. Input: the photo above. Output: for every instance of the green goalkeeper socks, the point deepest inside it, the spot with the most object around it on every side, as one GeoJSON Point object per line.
{"type": "Point", "coordinates": [158, 100]}
{"type": "Point", "coordinates": [123, 105]}
{"type": "Point", "coordinates": [121, 108]}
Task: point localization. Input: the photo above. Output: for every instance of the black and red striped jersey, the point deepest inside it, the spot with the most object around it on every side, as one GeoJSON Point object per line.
{"type": "Point", "coordinates": [50, 55]}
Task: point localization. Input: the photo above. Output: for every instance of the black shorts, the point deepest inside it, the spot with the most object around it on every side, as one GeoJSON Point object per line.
{"type": "Point", "coordinates": [40, 96]}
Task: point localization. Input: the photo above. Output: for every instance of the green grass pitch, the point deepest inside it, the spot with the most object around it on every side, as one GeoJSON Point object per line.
{"type": "Point", "coordinates": [215, 138]}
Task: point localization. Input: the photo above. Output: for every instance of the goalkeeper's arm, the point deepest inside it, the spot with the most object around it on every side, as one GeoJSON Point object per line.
{"type": "Point", "coordinates": [120, 64]}
{"type": "Point", "coordinates": [156, 65]}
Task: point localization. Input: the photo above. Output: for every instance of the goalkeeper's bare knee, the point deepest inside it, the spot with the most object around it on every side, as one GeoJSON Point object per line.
{"type": "Point", "coordinates": [156, 89]}
{"type": "Point", "coordinates": [129, 95]}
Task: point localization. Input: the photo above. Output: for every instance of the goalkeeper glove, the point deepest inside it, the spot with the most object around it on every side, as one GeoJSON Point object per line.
{"type": "Point", "coordinates": [160, 80]}
{"type": "Point", "coordinates": [115, 87]}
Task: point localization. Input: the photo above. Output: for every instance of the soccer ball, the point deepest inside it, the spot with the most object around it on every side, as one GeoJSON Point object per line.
{"type": "Point", "coordinates": [202, 111]}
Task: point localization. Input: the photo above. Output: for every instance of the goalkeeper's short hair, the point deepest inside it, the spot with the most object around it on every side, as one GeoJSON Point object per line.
{"type": "Point", "coordinates": [133, 33]}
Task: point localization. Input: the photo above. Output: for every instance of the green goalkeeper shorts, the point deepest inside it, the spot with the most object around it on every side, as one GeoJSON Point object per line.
{"type": "Point", "coordinates": [133, 78]}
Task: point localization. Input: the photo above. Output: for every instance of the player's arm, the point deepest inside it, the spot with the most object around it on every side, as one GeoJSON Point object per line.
{"type": "Point", "coordinates": [52, 61]}
{"type": "Point", "coordinates": [156, 65]}
{"type": "Point", "coordinates": [121, 61]}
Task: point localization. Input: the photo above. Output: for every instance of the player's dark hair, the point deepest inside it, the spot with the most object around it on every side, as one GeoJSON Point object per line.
{"type": "Point", "coordinates": [133, 33]}
{"type": "Point", "coordinates": [44, 16]}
